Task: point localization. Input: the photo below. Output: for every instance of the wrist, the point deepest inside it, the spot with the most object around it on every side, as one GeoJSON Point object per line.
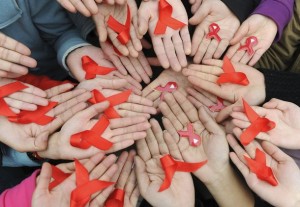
{"type": "Point", "coordinates": [52, 151]}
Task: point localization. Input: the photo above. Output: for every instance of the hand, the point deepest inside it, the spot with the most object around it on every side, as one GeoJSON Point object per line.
{"type": "Point", "coordinates": [150, 174]}
{"type": "Point", "coordinates": [284, 114]}
{"type": "Point", "coordinates": [99, 167]}
{"type": "Point", "coordinates": [206, 76]}
{"type": "Point", "coordinates": [119, 12]}
{"type": "Point", "coordinates": [259, 26]}
{"type": "Point", "coordinates": [138, 68]}
{"type": "Point", "coordinates": [172, 47]}
{"type": "Point", "coordinates": [33, 137]}
{"type": "Point", "coordinates": [195, 5]}
{"type": "Point", "coordinates": [28, 99]}
{"type": "Point", "coordinates": [14, 58]}
{"type": "Point", "coordinates": [86, 7]}
{"type": "Point", "coordinates": [166, 76]}
{"type": "Point", "coordinates": [122, 132]}
{"type": "Point", "coordinates": [212, 11]}
{"type": "Point", "coordinates": [284, 168]}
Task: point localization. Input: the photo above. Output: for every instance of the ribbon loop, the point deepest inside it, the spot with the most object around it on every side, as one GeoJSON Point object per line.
{"type": "Point", "coordinates": [58, 175]}
{"type": "Point", "coordinates": [250, 43]}
{"type": "Point", "coordinates": [168, 88]}
{"type": "Point", "coordinates": [170, 166]}
{"type": "Point", "coordinates": [92, 68]}
{"type": "Point", "coordinates": [122, 30]}
{"type": "Point", "coordinates": [260, 168]}
{"type": "Point", "coordinates": [116, 199]}
{"type": "Point", "coordinates": [165, 20]}
{"type": "Point", "coordinates": [195, 139]}
{"type": "Point", "coordinates": [258, 124]}
{"type": "Point", "coordinates": [213, 32]}
{"type": "Point", "coordinates": [217, 107]}
{"type": "Point", "coordinates": [230, 76]}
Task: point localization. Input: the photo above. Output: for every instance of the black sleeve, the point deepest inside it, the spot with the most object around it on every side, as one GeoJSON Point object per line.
{"type": "Point", "coordinates": [241, 8]}
{"type": "Point", "coordinates": [282, 85]}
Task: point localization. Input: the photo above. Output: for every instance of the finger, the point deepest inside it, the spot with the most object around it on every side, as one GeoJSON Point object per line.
{"type": "Point", "coordinates": [245, 59]}
{"type": "Point", "coordinates": [40, 142]}
{"type": "Point", "coordinates": [15, 57]}
{"type": "Point", "coordinates": [29, 98]}
{"type": "Point", "coordinates": [152, 143]}
{"type": "Point", "coordinates": [238, 56]}
{"type": "Point", "coordinates": [126, 113]}
{"type": "Point", "coordinates": [93, 110]}
{"type": "Point", "coordinates": [211, 49]}
{"type": "Point", "coordinates": [120, 145]}
{"type": "Point", "coordinates": [132, 189]}
{"type": "Point", "coordinates": [240, 34]}
{"type": "Point", "coordinates": [167, 112]}
{"type": "Point", "coordinates": [101, 27]}
{"type": "Point", "coordinates": [170, 51]}
{"type": "Point", "coordinates": [61, 98]}
{"type": "Point", "coordinates": [233, 50]}
{"type": "Point", "coordinates": [224, 113]}
{"type": "Point", "coordinates": [113, 37]}
{"type": "Point", "coordinates": [171, 129]}
{"type": "Point", "coordinates": [131, 49]}
{"type": "Point", "coordinates": [201, 99]}
{"type": "Point", "coordinates": [54, 91]}
{"type": "Point", "coordinates": [67, 5]}
{"type": "Point", "coordinates": [241, 124]}
{"type": "Point", "coordinates": [130, 68]}
{"type": "Point", "coordinates": [239, 164]}
{"type": "Point", "coordinates": [275, 152]}
{"type": "Point", "coordinates": [44, 179]}
{"type": "Point", "coordinates": [209, 123]}
{"type": "Point", "coordinates": [34, 90]}
{"type": "Point", "coordinates": [240, 152]}
{"type": "Point", "coordinates": [178, 44]}
{"type": "Point", "coordinates": [154, 96]}
{"type": "Point", "coordinates": [120, 163]}
{"type": "Point", "coordinates": [123, 122]}
{"type": "Point", "coordinates": [277, 104]}
{"type": "Point", "coordinates": [111, 84]}
{"type": "Point", "coordinates": [137, 108]}
{"type": "Point", "coordinates": [91, 6]}
{"type": "Point", "coordinates": [197, 39]}
{"type": "Point", "coordinates": [160, 52]}
{"type": "Point", "coordinates": [199, 15]}
{"type": "Point", "coordinates": [209, 69]}
{"type": "Point", "coordinates": [136, 131]}
{"type": "Point", "coordinates": [137, 45]}
{"type": "Point", "coordinates": [145, 64]}
{"type": "Point", "coordinates": [201, 50]}
{"type": "Point", "coordinates": [100, 199]}
{"type": "Point", "coordinates": [256, 57]}
{"type": "Point", "coordinates": [100, 169]}
{"type": "Point", "coordinates": [172, 146]}
{"type": "Point", "coordinates": [80, 7]}
{"type": "Point", "coordinates": [140, 100]}
{"type": "Point", "coordinates": [158, 133]}
{"type": "Point", "coordinates": [118, 64]}
{"type": "Point", "coordinates": [20, 105]}
{"type": "Point", "coordinates": [140, 70]}
{"type": "Point", "coordinates": [133, 83]}
{"type": "Point", "coordinates": [143, 20]}
{"type": "Point", "coordinates": [143, 150]}
{"type": "Point", "coordinates": [221, 49]}
{"type": "Point", "coordinates": [123, 179]}
{"type": "Point", "coordinates": [141, 175]}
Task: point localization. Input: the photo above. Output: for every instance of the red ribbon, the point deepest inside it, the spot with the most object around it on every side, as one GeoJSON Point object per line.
{"type": "Point", "coordinates": [213, 32]}
{"type": "Point", "coordinates": [250, 43]}
{"type": "Point", "coordinates": [230, 76]}
{"type": "Point", "coordinates": [170, 166]}
{"type": "Point", "coordinates": [38, 116]}
{"type": "Point", "coordinates": [217, 107]}
{"type": "Point", "coordinates": [258, 124]}
{"type": "Point", "coordinates": [85, 187]}
{"type": "Point", "coordinates": [194, 138]}
{"type": "Point", "coordinates": [115, 49]}
{"type": "Point", "coordinates": [260, 168]}
{"type": "Point", "coordinates": [92, 68]}
{"type": "Point", "coordinates": [58, 176]}
{"type": "Point", "coordinates": [123, 30]}
{"type": "Point", "coordinates": [5, 91]}
{"type": "Point", "coordinates": [114, 100]}
{"type": "Point", "coordinates": [168, 88]}
{"type": "Point", "coordinates": [88, 138]}
{"type": "Point", "coordinates": [165, 19]}
{"type": "Point", "coordinates": [116, 199]}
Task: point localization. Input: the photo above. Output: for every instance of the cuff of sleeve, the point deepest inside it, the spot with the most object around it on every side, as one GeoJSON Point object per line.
{"type": "Point", "coordinates": [13, 158]}
{"type": "Point", "coordinates": [278, 11]}
{"type": "Point", "coordinates": [84, 24]}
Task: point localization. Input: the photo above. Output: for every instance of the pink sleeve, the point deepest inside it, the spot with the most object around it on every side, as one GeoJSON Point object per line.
{"type": "Point", "coordinates": [21, 194]}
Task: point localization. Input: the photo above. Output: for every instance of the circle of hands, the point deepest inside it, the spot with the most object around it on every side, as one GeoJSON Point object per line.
{"type": "Point", "coordinates": [140, 172]}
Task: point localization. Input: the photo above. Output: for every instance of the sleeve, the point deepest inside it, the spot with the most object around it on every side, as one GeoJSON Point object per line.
{"type": "Point", "coordinates": [20, 195]}
{"type": "Point", "coordinates": [282, 85]}
{"type": "Point", "coordinates": [56, 28]}
{"type": "Point", "coordinates": [13, 158]}
{"type": "Point", "coordinates": [84, 24]}
{"type": "Point", "coordinates": [279, 11]}
{"type": "Point", "coordinates": [241, 9]}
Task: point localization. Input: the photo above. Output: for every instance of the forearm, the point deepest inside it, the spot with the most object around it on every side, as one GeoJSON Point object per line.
{"type": "Point", "coordinates": [228, 190]}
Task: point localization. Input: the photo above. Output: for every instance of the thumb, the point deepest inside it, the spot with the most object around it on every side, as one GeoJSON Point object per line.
{"type": "Point", "coordinates": [93, 110]}
{"type": "Point", "coordinates": [143, 20]}
{"type": "Point", "coordinates": [141, 174]}
{"type": "Point", "coordinates": [240, 34]}
{"type": "Point", "coordinates": [225, 113]}
{"type": "Point", "coordinates": [41, 141]}
{"type": "Point", "coordinates": [199, 16]}
{"type": "Point", "coordinates": [44, 179]}
{"type": "Point", "coordinates": [275, 152]}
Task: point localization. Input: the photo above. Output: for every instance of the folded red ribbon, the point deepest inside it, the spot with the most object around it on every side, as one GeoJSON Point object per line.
{"type": "Point", "coordinates": [194, 138]}
{"type": "Point", "coordinates": [123, 30]}
{"type": "Point", "coordinates": [260, 168]}
{"type": "Point", "coordinates": [7, 90]}
{"type": "Point", "coordinates": [58, 176]}
{"type": "Point", "coordinates": [38, 116]}
{"type": "Point", "coordinates": [92, 68]}
{"type": "Point", "coordinates": [88, 138]}
{"type": "Point", "coordinates": [213, 32]}
{"type": "Point", "coordinates": [170, 166]}
{"type": "Point", "coordinates": [168, 88]}
{"type": "Point", "coordinates": [108, 41]}
{"type": "Point", "coordinates": [230, 76]}
{"type": "Point", "coordinates": [258, 124]}
{"type": "Point", "coordinates": [85, 187]}
{"type": "Point", "coordinates": [165, 19]}
{"type": "Point", "coordinates": [114, 100]}
{"type": "Point", "coordinates": [250, 43]}
{"type": "Point", "coordinates": [217, 107]}
{"type": "Point", "coordinates": [116, 199]}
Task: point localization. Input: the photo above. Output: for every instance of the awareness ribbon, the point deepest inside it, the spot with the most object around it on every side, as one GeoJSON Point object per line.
{"type": "Point", "coordinates": [169, 87]}
{"type": "Point", "coordinates": [217, 107]}
{"type": "Point", "coordinates": [5, 91]}
{"type": "Point", "coordinates": [165, 19]}
{"type": "Point", "coordinates": [258, 124]}
{"type": "Point", "coordinates": [88, 138]}
{"type": "Point", "coordinates": [170, 166]}
{"type": "Point", "coordinates": [92, 68]}
{"type": "Point", "coordinates": [123, 30]}
{"type": "Point", "coordinates": [116, 199]}
{"type": "Point", "coordinates": [58, 175]}
{"type": "Point", "coordinates": [213, 32]}
{"type": "Point", "coordinates": [250, 43]}
{"type": "Point", "coordinates": [194, 138]}
{"type": "Point", "coordinates": [85, 187]}
{"type": "Point", "coordinates": [114, 100]}
{"type": "Point", "coordinates": [260, 168]}
{"type": "Point", "coordinates": [230, 76]}
{"type": "Point", "coordinates": [38, 116]}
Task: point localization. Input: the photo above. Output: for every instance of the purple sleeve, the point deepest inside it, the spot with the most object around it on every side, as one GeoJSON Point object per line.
{"type": "Point", "coordinates": [20, 195]}
{"type": "Point", "coordinates": [280, 11]}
